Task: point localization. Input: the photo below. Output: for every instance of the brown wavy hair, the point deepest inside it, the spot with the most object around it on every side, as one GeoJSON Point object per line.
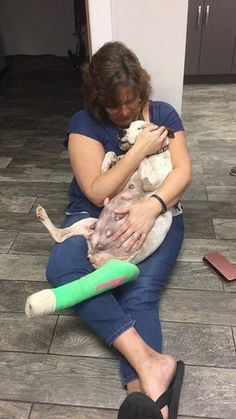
{"type": "Point", "coordinates": [113, 66]}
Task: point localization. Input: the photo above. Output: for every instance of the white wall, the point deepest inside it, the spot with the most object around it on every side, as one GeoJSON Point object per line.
{"type": "Point", "coordinates": [155, 30]}
{"type": "Point", "coordinates": [37, 27]}
{"type": "Point", "coordinates": [100, 19]}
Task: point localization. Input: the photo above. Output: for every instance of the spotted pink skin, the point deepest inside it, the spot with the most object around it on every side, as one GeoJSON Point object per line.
{"type": "Point", "coordinates": [102, 246]}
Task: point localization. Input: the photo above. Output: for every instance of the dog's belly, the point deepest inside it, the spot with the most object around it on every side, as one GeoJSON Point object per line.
{"type": "Point", "coordinates": [106, 250]}
{"type": "Point", "coordinates": [101, 245]}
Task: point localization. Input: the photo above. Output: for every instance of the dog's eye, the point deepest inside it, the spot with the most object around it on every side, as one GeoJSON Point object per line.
{"type": "Point", "coordinates": [139, 128]}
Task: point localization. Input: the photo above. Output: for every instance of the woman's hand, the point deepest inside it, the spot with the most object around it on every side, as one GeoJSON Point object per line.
{"type": "Point", "coordinates": [133, 232]}
{"type": "Point", "coordinates": [151, 139]}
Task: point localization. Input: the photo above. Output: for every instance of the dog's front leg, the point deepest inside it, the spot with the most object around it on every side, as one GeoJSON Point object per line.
{"type": "Point", "coordinates": [109, 160]}
{"type": "Point", "coordinates": [82, 227]}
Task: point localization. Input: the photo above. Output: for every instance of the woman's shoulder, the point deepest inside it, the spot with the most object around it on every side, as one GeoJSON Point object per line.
{"type": "Point", "coordinates": [82, 116]}
{"type": "Point", "coordinates": [161, 106]}
{"type": "Point", "coordinates": [82, 122]}
{"type": "Point", "coordinates": [162, 113]}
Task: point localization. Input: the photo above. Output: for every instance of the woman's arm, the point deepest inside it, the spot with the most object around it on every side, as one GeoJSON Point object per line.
{"type": "Point", "coordinates": [86, 157]}
{"type": "Point", "coordinates": [142, 215]}
{"type": "Point", "coordinates": [180, 177]}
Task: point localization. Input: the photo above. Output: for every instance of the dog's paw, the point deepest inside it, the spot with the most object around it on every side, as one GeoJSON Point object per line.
{"type": "Point", "coordinates": [110, 160]}
{"type": "Point", "coordinates": [41, 213]}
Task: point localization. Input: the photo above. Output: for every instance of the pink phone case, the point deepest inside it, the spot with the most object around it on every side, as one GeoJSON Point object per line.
{"type": "Point", "coordinates": [221, 266]}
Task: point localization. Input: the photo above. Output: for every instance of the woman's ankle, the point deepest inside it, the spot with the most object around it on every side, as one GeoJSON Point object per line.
{"type": "Point", "coordinates": [133, 386]}
{"type": "Point", "coordinates": [157, 374]}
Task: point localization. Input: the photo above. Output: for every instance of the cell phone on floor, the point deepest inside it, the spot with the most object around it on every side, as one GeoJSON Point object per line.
{"type": "Point", "coordinates": [219, 264]}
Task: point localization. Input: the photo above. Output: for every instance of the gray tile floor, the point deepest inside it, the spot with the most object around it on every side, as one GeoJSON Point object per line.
{"type": "Point", "coordinates": [54, 367]}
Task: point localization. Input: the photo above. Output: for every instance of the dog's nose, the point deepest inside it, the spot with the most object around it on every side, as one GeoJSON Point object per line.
{"type": "Point", "coordinates": [122, 133]}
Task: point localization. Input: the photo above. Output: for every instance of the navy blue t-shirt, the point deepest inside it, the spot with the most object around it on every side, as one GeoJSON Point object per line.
{"type": "Point", "coordinates": [106, 133]}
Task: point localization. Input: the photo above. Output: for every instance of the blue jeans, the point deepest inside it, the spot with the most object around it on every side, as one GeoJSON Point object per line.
{"type": "Point", "coordinates": [133, 304]}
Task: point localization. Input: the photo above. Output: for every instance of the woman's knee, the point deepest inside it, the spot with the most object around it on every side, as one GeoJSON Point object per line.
{"type": "Point", "coordinates": [68, 261]}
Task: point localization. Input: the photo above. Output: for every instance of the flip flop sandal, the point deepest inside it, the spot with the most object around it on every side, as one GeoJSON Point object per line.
{"type": "Point", "coordinates": [139, 406]}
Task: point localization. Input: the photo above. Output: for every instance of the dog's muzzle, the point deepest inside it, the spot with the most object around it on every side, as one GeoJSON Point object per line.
{"type": "Point", "coordinates": [123, 144]}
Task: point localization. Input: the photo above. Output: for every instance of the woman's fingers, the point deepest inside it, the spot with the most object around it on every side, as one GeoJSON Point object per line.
{"type": "Point", "coordinates": [140, 241]}
{"type": "Point", "coordinates": [136, 241]}
{"type": "Point", "coordinates": [122, 235]}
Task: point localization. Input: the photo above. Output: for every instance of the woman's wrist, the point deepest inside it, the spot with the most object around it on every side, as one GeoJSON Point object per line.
{"type": "Point", "coordinates": [136, 153]}
{"type": "Point", "coordinates": [160, 203]}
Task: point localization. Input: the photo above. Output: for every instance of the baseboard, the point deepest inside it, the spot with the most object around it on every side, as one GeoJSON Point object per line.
{"type": "Point", "coordinates": [210, 79]}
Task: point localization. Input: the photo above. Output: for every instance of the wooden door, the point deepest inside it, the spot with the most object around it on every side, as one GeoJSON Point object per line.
{"type": "Point", "coordinates": [218, 37]}
{"type": "Point", "coordinates": [193, 40]}
{"type": "Point", "coordinates": [234, 61]}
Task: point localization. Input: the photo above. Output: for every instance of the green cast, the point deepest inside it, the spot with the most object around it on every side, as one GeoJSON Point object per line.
{"type": "Point", "coordinates": [112, 274]}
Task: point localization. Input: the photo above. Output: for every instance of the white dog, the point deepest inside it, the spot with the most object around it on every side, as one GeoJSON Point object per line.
{"type": "Point", "coordinates": [98, 232]}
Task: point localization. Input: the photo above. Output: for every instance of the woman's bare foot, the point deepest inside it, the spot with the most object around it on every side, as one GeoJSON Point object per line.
{"type": "Point", "coordinates": [156, 375]}
{"type": "Point", "coordinates": [155, 370]}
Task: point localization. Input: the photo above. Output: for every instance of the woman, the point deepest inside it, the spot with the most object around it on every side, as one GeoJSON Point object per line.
{"type": "Point", "coordinates": [117, 92]}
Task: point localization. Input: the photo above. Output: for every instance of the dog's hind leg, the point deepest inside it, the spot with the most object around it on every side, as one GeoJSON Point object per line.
{"type": "Point", "coordinates": [82, 227]}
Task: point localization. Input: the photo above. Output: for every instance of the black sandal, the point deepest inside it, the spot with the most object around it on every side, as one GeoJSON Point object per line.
{"type": "Point", "coordinates": [139, 406]}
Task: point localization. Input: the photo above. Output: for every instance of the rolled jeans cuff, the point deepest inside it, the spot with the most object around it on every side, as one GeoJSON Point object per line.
{"type": "Point", "coordinates": [119, 332]}
{"type": "Point", "coordinates": [129, 378]}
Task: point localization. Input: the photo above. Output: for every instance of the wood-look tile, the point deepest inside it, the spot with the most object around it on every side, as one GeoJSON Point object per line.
{"type": "Point", "coordinates": [73, 337]}
{"type": "Point", "coordinates": [230, 286]}
{"type": "Point", "coordinates": [4, 162]}
{"type": "Point", "coordinates": [23, 267]}
{"type": "Point", "coordinates": [32, 188]}
{"type": "Point", "coordinates": [225, 229]}
{"type": "Point", "coordinates": [41, 162]}
{"type": "Point", "coordinates": [191, 417]}
{"type": "Point", "coordinates": [225, 193]}
{"type": "Point", "coordinates": [54, 203]}
{"type": "Point", "coordinates": [19, 334]}
{"type": "Point", "coordinates": [63, 380]}
{"type": "Point", "coordinates": [58, 176]}
{"type": "Point", "coordinates": [42, 411]}
{"type": "Point", "coordinates": [64, 155]}
{"type": "Point", "coordinates": [20, 204]}
{"type": "Point", "coordinates": [6, 240]}
{"type": "Point", "coordinates": [204, 307]}
{"type": "Point", "coordinates": [198, 120]}
{"type": "Point", "coordinates": [199, 344]}
{"type": "Point", "coordinates": [208, 392]}
{"type": "Point", "coordinates": [14, 410]}
{"type": "Point", "coordinates": [38, 64]}
{"type": "Point", "coordinates": [194, 343]}
{"type": "Point", "coordinates": [33, 244]}
{"type": "Point", "coordinates": [209, 130]}
{"type": "Point", "coordinates": [13, 294]}
{"type": "Point", "coordinates": [193, 250]}
{"type": "Point", "coordinates": [54, 121]}
{"type": "Point", "coordinates": [232, 106]}
{"type": "Point", "coordinates": [19, 121]}
{"type": "Point", "coordinates": [27, 223]}
{"type": "Point", "coordinates": [11, 140]}
{"type": "Point", "coordinates": [199, 228]}
{"type": "Point", "coordinates": [234, 333]}
{"type": "Point", "coordinates": [191, 275]}
{"type": "Point", "coordinates": [216, 173]}
{"type": "Point", "coordinates": [196, 189]}
{"type": "Point", "coordinates": [208, 210]}
{"type": "Point", "coordinates": [196, 108]}
{"type": "Point", "coordinates": [214, 150]}
{"type": "Point", "coordinates": [24, 174]}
